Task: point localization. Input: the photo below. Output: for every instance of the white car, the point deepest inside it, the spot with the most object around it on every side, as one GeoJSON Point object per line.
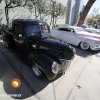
{"type": "Point", "coordinates": [90, 29]}
{"type": "Point", "coordinates": [76, 36]}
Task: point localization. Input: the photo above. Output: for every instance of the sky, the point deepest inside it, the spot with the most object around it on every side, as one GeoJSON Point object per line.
{"type": "Point", "coordinates": [95, 5]}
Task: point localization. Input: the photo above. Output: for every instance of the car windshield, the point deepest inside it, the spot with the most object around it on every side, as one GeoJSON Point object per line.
{"type": "Point", "coordinates": [78, 29]}
{"type": "Point", "coordinates": [32, 30]}
{"type": "Point", "coordinates": [87, 26]}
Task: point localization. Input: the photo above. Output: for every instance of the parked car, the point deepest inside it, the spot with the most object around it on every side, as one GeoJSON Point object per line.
{"type": "Point", "coordinates": [77, 36]}
{"type": "Point", "coordinates": [45, 55]}
{"type": "Point", "coordinates": [90, 29]}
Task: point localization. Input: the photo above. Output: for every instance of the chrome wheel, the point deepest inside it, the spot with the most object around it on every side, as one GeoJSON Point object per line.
{"type": "Point", "coordinates": [84, 45]}
{"type": "Point", "coordinates": [36, 71]}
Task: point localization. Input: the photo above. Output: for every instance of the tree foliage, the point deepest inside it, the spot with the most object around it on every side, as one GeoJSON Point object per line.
{"type": "Point", "coordinates": [12, 4]}
{"type": "Point", "coordinates": [94, 17]}
{"type": "Point", "coordinates": [91, 20]}
{"type": "Point", "coordinates": [40, 9]}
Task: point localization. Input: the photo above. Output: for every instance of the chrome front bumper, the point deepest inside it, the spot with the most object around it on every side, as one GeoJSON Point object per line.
{"type": "Point", "coordinates": [65, 65]}
{"type": "Point", "coordinates": [95, 48]}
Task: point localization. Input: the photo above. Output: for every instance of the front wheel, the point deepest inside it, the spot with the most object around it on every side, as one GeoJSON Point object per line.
{"type": "Point", "coordinates": [37, 71]}
{"type": "Point", "coordinates": [84, 45]}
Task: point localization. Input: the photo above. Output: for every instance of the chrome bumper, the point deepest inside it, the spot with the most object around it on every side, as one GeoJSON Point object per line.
{"type": "Point", "coordinates": [95, 48]}
{"type": "Point", "coordinates": [65, 65]}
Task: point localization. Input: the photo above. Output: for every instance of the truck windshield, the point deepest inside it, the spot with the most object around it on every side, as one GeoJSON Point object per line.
{"type": "Point", "coordinates": [32, 30]}
{"type": "Point", "coordinates": [44, 29]}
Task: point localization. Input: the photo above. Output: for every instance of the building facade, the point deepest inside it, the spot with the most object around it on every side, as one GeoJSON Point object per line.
{"type": "Point", "coordinates": [74, 8]}
{"type": "Point", "coordinates": [15, 13]}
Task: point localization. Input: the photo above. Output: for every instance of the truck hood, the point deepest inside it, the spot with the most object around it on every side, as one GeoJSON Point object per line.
{"type": "Point", "coordinates": [53, 44]}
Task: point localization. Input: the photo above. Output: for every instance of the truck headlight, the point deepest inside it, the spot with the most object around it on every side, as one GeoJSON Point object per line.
{"type": "Point", "coordinates": [55, 68]}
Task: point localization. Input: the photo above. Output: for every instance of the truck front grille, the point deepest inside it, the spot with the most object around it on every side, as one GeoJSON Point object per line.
{"type": "Point", "coordinates": [65, 65]}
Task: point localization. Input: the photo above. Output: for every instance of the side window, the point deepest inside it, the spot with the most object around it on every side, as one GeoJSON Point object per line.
{"type": "Point", "coordinates": [84, 26]}
{"type": "Point", "coordinates": [19, 30]}
{"type": "Point", "coordinates": [66, 29]}
{"type": "Point", "coordinates": [62, 29]}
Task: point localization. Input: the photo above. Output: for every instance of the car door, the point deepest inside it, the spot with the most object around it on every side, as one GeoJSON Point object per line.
{"type": "Point", "coordinates": [68, 35]}
{"type": "Point", "coordinates": [57, 33]}
{"type": "Point", "coordinates": [19, 37]}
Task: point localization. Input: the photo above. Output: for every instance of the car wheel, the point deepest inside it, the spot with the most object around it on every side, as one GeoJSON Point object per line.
{"type": "Point", "coordinates": [6, 43]}
{"type": "Point", "coordinates": [37, 71]}
{"type": "Point", "coordinates": [84, 45]}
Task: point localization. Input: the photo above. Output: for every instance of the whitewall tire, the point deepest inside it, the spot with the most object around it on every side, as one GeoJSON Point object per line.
{"type": "Point", "coordinates": [84, 45]}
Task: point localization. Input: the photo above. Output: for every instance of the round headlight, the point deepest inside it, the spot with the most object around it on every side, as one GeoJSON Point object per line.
{"type": "Point", "coordinates": [54, 68]}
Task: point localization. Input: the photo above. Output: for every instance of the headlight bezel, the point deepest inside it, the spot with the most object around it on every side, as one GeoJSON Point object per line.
{"type": "Point", "coordinates": [55, 68]}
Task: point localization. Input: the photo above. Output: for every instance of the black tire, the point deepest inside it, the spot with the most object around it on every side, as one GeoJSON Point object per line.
{"type": "Point", "coordinates": [34, 68]}
{"type": "Point", "coordinates": [5, 42]}
{"type": "Point", "coordinates": [37, 71]}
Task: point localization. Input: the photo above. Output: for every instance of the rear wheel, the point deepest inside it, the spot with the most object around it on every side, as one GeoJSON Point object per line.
{"type": "Point", "coordinates": [34, 68]}
{"type": "Point", "coordinates": [6, 43]}
{"type": "Point", "coordinates": [84, 45]}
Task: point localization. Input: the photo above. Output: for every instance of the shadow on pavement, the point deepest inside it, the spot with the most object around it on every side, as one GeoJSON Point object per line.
{"type": "Point", "coordinates": [7, 74]}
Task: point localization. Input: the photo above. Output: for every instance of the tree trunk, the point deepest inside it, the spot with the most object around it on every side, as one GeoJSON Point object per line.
{"type": "Point", "coordinates": [35, 13]}
{"type": "Point", "coordinates": [55, 22]}
{"type": "Point", "coordinates": [85, 12]}
{"type": "Point", "coordinates": [53, 13]}
{"type": "Point", "coordinates": [7, 16]}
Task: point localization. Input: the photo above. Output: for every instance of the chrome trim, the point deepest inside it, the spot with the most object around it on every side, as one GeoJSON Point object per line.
{"type": "Point", "coordinates": [95, 48]}
{"type": "Point", "coordinates": [64, 68]}
{"type": "Point", "coordinates": [55, 68]}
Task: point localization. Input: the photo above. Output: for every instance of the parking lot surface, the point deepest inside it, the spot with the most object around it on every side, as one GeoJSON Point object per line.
{"type": "Point", "coordinates": [80, 82]}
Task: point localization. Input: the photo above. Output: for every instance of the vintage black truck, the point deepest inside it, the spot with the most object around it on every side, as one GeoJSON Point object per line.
{"type": "Point", "coordinates": [46, 56]}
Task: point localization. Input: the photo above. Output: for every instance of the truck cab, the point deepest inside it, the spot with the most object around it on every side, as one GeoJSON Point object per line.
{"type": "Point", "coordinates": [46, 55]}
{"type": "Point", "coordinates": [25, 30]}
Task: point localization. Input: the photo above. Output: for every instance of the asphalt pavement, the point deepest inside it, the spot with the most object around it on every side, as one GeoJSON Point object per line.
{"type": "Point", "coordinates": [80, 82]}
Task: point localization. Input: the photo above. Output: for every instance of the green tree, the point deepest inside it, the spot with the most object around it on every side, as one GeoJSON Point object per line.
{"type": "Point", "coordinates": [95, 16]}
{"type": "Point", "coordinates": [91, 20]}
{"type": "Point", "coordinates": [38, 7]}
{"type": "Point", "coordinates": [31, 5]}
{"type": "Point", "coordinates": [9, 4]}
{"type": "Point", "coordinates": [57, 10]}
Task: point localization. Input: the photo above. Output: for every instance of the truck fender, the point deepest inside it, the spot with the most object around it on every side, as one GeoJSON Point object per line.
{"type": "Point", "coordinates": [43, 60]}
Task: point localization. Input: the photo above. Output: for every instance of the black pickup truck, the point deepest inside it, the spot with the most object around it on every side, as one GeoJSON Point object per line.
{"type": "Point", "coordinates": [46, 56]}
